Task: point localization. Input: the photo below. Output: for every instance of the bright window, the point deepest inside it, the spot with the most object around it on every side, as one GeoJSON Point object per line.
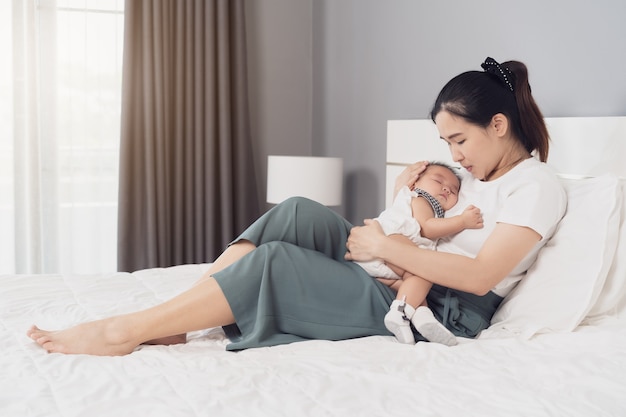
{"type": "Point", "coordinates": [60, 126]}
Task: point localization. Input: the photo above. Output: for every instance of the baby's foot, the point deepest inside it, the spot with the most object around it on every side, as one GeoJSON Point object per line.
{"type": "Point", "coordinates": [397, 322]}
{"type": "Point", "coordinates": [429, 327]}
{"type": "Point", "coordinates": [102, 337]}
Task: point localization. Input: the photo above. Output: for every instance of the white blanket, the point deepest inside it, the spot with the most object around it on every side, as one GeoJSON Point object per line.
{"type": "Point", "coordinates": [582, 373]}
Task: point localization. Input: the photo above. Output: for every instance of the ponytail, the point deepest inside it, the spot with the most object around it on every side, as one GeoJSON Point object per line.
{"type": "Point", "coordinates": [534, 133]}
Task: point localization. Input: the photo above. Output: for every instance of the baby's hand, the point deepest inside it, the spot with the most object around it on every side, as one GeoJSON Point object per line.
{"type": "Point", "coordinates": [472, 218]}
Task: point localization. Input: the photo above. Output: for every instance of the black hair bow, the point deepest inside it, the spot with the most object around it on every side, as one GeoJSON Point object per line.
{"type": "Point", "coordinates": [491, 66]}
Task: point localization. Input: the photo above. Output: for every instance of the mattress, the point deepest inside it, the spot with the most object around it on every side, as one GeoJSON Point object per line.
{"type": "Point", "coordinates": [579, 373]}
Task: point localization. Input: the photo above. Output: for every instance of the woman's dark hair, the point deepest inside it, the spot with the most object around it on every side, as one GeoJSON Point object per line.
{"type": "Point", "coordinates": [477, 96]}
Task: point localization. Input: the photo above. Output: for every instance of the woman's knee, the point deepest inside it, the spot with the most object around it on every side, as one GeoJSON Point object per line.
{"type": "Point", "coordinates": [300, 202]}
{"type": "Point", "coordinates": [306, 215]}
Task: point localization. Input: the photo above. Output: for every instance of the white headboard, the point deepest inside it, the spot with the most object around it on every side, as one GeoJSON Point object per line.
{"type": "Point", "coordinates": [580, 146]}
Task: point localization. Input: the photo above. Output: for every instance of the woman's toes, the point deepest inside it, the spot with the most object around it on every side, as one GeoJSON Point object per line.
{"type": "Point", "coordinates": [33, 329]}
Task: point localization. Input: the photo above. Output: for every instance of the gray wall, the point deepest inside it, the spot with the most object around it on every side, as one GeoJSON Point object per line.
{"type": "Point", "coordinates": [342, 68]}
{"type": "Point", "coordinates": [280, 67]}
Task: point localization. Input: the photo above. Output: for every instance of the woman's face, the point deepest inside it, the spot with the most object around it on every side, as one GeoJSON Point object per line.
{"type": "Point", "coordinates": [474, 147]}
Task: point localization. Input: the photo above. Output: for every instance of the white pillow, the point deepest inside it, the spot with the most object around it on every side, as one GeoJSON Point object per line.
{"type": "Point", "coordinates": [612, 299]}
{"type": "Point", "coordinates": [560, 288]}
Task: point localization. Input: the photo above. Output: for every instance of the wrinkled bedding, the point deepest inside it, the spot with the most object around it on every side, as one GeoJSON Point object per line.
{"type": "Point", "coordinates": [581, 373]}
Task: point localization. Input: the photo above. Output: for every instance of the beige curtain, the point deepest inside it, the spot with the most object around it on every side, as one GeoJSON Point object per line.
{"type": "Point", "coordinates": [187, 184]}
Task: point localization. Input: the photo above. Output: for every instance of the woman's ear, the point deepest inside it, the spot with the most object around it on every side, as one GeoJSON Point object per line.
{"type": "Point", "coordinates": [500, 124]}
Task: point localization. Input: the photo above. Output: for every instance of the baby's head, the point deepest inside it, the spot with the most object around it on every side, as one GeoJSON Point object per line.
{"type": "Point", "coordinates": [442, 182]}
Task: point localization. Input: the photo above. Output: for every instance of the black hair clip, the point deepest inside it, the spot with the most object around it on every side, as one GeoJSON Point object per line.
{"type": "Point", "coordinates": [491, 66]}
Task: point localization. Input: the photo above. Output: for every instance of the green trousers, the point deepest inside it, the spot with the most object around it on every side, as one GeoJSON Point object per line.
{"type": "Point", "coordinates": [297, 286]}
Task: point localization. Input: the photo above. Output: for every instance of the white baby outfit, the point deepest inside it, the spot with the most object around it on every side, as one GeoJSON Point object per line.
{"type": "Point", "coordinates": [398, 219]}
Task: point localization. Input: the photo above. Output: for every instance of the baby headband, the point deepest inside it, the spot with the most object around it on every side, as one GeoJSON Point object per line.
{"type": "Point", "coordinates": [503, 73]}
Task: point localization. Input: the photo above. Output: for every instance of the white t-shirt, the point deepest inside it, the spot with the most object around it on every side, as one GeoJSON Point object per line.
{"type": "Point", "coordinates": [529, 195]}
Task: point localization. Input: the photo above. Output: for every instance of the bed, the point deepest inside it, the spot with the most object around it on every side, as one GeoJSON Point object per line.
{"type": "Point", "coordinates": [556, 347]}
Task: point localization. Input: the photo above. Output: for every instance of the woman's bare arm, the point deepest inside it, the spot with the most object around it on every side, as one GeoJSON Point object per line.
{"type": "Point", "coordinates": [502, 251]}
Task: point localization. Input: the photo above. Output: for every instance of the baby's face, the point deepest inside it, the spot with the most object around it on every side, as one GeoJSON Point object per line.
{"type": "Point", "coordinates": [441, 183]}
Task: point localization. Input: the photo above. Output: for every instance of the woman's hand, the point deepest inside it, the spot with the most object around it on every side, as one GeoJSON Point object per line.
{"type": "Point", "coordinates": [409, 175]}
{"type": "Point", "coordinates": [364, 242]}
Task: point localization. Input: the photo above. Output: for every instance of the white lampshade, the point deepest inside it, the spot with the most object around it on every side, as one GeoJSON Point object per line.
{"type": "Point", "coordinates": [317, 178]}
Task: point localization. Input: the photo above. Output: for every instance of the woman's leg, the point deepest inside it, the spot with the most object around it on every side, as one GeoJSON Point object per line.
{"type": "Point", "coordinates": [304, 223]}
{"type": "Point", "coordinates": [283, 293]}
{"type": "Point", "coordinates": [231, 255]}
{"type": "Point", "coordinates": [200, 307]}
{"type": "Point", "coordinates": [297, 220]}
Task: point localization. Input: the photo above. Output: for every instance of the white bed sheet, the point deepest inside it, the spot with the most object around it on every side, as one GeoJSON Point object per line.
{"type": "Point", "coordinates": [582, 373]}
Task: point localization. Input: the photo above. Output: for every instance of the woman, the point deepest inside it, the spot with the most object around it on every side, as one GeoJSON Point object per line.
{"type": "Point", "coordinates": [288, 276]}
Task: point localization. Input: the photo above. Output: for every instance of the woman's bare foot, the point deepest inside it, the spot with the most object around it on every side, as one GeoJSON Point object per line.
{"type": "Point", "coordinates": [103, 337]}
{"type": "Point", "coordinates": [200, 307]}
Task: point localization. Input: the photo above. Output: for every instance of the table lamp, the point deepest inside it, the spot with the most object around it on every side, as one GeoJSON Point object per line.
{"type": "Point", "coordinates": [317, 178]}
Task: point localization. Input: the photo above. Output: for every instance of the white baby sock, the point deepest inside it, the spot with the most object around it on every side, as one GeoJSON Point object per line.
{"type": "Point", "coordinates": [429, 327]}
{"type": "Point", "coordinates": [397, 321]}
